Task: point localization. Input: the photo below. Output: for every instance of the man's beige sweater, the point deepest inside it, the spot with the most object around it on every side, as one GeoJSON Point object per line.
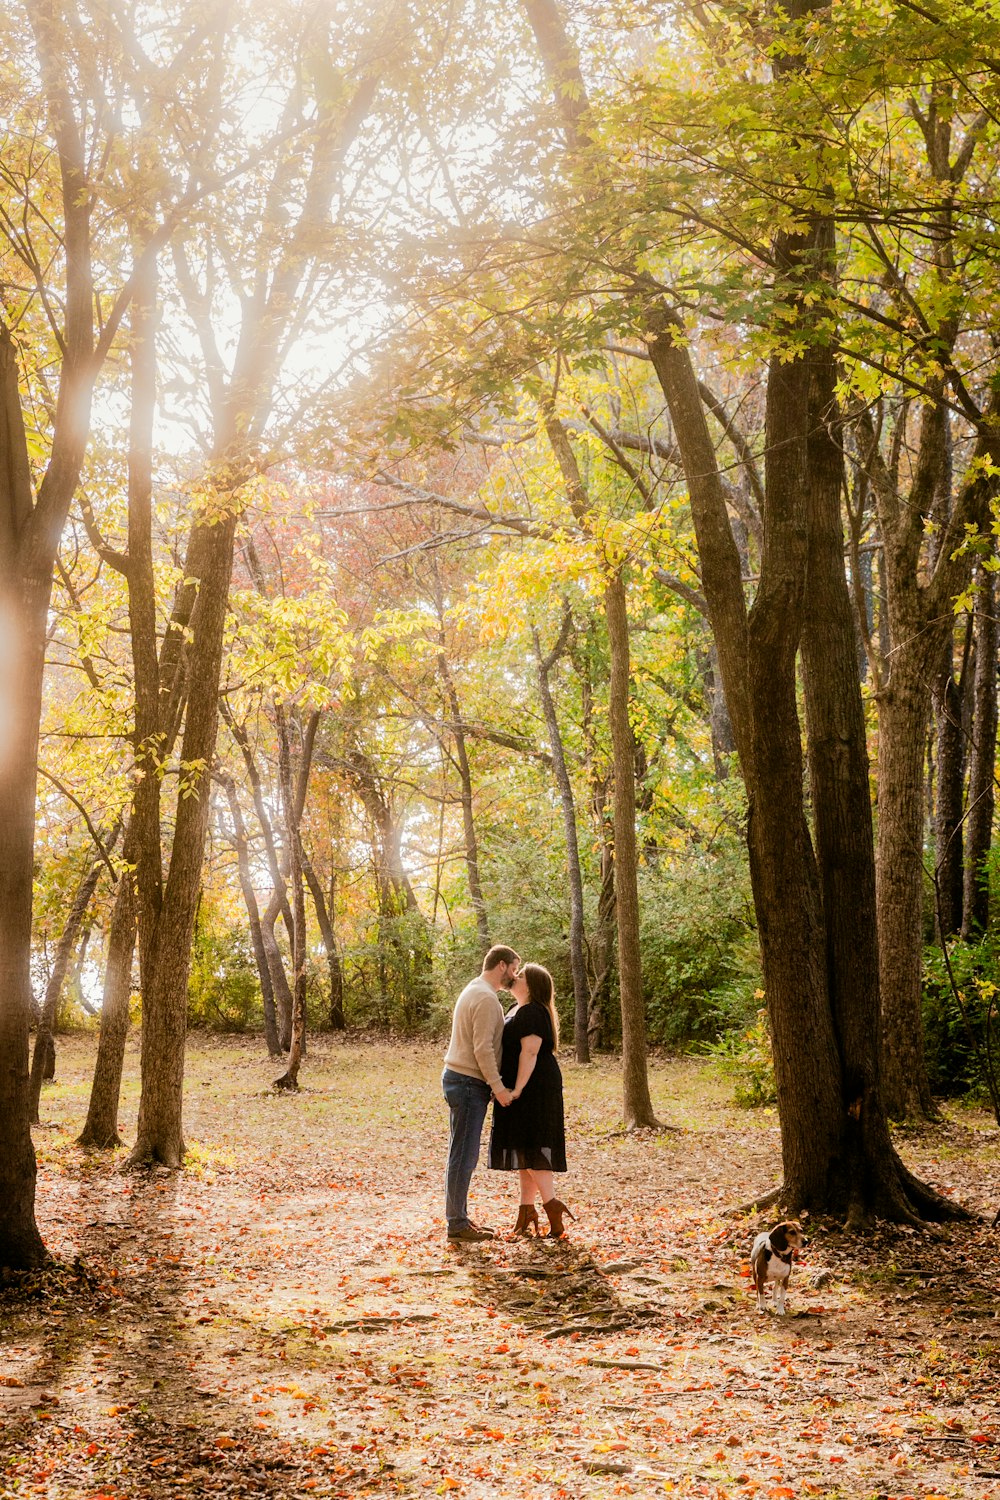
{"type": "Point", "coordinates": [476, 1032]}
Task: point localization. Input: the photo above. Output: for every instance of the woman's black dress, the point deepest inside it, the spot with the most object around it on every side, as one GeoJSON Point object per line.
{"type": "Point", "coordinates": [529, 1133]}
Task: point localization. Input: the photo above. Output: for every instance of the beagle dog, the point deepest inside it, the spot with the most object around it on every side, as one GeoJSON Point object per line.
{"type": "Point", "coordinates": [771, 1260]}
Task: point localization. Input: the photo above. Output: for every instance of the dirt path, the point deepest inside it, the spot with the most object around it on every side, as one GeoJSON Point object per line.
{"type": "Point", "coordinates": [285, 1318]}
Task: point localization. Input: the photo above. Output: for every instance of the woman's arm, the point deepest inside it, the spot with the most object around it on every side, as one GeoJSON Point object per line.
{"type": "Point", "coordinates": [526, 1062]}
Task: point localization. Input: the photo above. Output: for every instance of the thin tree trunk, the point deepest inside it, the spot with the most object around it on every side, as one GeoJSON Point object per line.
{"type": "Point", "coordinates": [602, 948]}
{"type": "Point", "coordinates": [468, 811]}
{"type": "Point", "coordinates": [253, 915]}
{"type": "Point", "coordinates": [293, 806]}
{"type": "Point", "coordinates": [637, 1104]}
{"type": "Point", "coordinates": [275, 965]}
{"type": "Point", "coordinates": [277, 865]}
{"type": "Point", "coordinates": [948, 696]}
{"type": "Point", "coordinates": [324, 918]}
{"type": "Point", "coordinates": [577, 936]}
{"type": "Point", "coordinates": [982, 759]}
{"type": "Point", "coordinates": [101, 1127]}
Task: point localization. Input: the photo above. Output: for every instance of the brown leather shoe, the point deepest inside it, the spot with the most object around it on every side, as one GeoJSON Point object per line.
{"type": "Point", "coordinates": [470, 1235]}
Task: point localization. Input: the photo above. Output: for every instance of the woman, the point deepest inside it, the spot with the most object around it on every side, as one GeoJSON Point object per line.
{"type": "Point", "coordinates": [528, 1136]}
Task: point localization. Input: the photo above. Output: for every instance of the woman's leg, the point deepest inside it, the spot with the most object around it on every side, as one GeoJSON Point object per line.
{"type": "Point", "coordinates": [543, 1181]}
{"type": "Point", "coordinates": [527, 1186]}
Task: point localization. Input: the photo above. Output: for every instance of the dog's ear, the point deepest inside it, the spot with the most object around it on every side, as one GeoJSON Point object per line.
{"type": "Point", "coordinates": [779, 1236]}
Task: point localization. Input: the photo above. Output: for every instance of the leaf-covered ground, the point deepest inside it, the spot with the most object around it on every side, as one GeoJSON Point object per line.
{"type": "Point", "coordinates": [285, 1317]}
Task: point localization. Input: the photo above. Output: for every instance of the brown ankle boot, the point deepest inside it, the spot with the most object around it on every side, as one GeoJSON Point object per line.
{"type": "Point", "coordinates": [556, 1211]}
{"type": "Point", "coordinates": [527, 1219]}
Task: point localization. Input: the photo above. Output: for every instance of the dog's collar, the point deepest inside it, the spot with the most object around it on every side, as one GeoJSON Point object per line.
{"type": "Point", "coordinates": [786, 1257]}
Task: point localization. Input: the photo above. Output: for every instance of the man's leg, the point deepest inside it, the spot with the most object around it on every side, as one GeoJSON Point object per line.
{"type": "Point", "coordinates": [468, 1101]}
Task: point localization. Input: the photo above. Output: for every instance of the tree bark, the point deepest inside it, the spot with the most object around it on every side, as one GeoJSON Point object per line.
{"type": "Point", "coordinates": [253, 915]}
{"type": "Point", "coordinates": [101, 1127]}
{"type": "Point", "coordinates": [982, 762]}
{"type": "Point", "coordinates": [577, 935]}
{"type": "Point", "coordinates": [902, 720]}
{"type": "Point", "coordinates": [324, 918]}
{"type": "Point", "coordinates": [468, 811]}
{"type": "Point", "coordinates": [168, 956]}
{"type": "Point", "coordinates": [293, 805]}
{"type": "Point", "coordinates": [948, 696]}
{"type": "Point", "coordinates": [637, 1104]}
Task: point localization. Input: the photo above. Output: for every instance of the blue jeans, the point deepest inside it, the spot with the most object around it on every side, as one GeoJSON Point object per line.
{"type": "Point", "coordinates": [468, 1100]}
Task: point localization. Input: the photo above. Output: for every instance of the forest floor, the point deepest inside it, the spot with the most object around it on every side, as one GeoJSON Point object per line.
{"type": "Point", "coordinates": [286, 1318]}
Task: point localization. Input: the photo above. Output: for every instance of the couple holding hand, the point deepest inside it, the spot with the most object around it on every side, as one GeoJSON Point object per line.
{"type": "Point", "coordinates": [512, 1059]}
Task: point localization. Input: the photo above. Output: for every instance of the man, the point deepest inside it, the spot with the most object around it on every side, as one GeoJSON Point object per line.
{"type": "Point", "coordinates": [471, 1075]}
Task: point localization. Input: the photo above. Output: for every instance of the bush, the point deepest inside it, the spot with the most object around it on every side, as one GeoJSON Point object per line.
{"type": "Point", "coordinates": [388, 980]}
{"type": "Point", "coordinates": [952, 1064]}
{"type": "Point", "coordinates": [700, 958]}
{"type": "Point", "coordinates": [746, 1056]}
{"type": "Point", "coordinates": [223, 986]}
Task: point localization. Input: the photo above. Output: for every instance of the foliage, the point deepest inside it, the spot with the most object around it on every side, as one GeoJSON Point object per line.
{"type": "Point", "coordinates": [223, 987]}
{"type": "Point", "coordinates": [699, 952]}
{"type": "Point", "coordinates": [746, 1056]}
{"type": "Point", "coordinates": [951, 1051]}
{"type": "Point", "coordinates": [385, 966]}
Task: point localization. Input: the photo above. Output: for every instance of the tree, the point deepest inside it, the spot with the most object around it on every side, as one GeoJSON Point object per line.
{"type": "Point", "coordinates": [52, 234]}
{"type": "Point", "coordinates": [815, 905]}
{"type": "Point", "coordinates": [273, 272]}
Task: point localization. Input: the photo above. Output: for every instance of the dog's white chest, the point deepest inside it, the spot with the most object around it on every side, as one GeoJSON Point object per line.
{"type": "Point", "coordinates": [775, 1269]}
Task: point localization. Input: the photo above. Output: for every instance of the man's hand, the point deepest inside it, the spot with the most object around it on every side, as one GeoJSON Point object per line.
{"type": "Point", "coordinates": [504, 1097]}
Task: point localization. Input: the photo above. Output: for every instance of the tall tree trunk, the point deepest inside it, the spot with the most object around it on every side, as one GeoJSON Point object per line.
{"type": "Point", "coordinates": [101, 1127]}
{"type": "Point", "coordinates": [241, 407]}
{"type": "Point", "coordinates": [839, 777]}
{"type": "Point", "coordinates": [160, 1132]}
{"type": "Point", "coordinates": [324, 918]}
{"type": "Point", "coordinates": [902, 720]}
{"type": "Point", "coordinates": [982, 761]}
{"type": "Point", "coordinates": [577, 936]}
{"type": "Point", "coordinates": [20, 708]}
{"type": "Point", "coordinates": [293, 808]}
{"type": "Point", "coordinates": [275, 964]}
{"type": "Point", "coordinates": [948, 696]}
{"type": "Point", "coordinates": [637, 1104]}
{"type": "Point", "coordinates": [468, 811]}
{"type": "Point", "coordinates": [31, 525]}
{"type": "Point", "coordinates": [602, 948]}
{"type": "Point", "coordinates": [787, 888]}
{"type": "Point", "coordinates": [253, 915]}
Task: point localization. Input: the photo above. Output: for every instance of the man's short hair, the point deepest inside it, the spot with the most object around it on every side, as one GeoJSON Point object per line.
{"type": "Point", "coordinates": [498, 955]}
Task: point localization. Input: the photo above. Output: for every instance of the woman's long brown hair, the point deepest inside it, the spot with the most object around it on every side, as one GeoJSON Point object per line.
{"type": "Point", "coordinates": [543, 992]}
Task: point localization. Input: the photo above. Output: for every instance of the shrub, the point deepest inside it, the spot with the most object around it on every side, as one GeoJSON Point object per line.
{"type": "Point", "coordinates": [953, 1066]}
{"type": "Point", "coordinates": [223, 986]}
{"type": "Point", "coordinates": [700, 959]}
{"type": "Point", "coordinates": [746, 1056]}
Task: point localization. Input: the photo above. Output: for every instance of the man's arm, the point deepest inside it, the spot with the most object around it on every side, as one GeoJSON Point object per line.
{"type": "Point", "coordinates": [484, 1046]}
